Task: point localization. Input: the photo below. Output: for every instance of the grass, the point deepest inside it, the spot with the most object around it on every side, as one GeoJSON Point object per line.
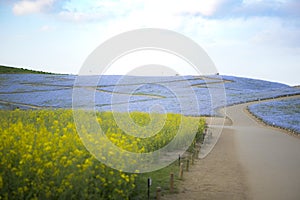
{"type": "Point", "coordinates": [160, 178]}
{"type": "Point", "coordinates": [14, 70]}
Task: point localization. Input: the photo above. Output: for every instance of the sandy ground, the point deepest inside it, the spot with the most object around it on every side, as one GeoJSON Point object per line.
{"type": "Point", "coordinates": [249, 161]}
{"type": "Point", "coordinates": [269, 156]}
{"type": "Point", "coordinates": [218, 176]}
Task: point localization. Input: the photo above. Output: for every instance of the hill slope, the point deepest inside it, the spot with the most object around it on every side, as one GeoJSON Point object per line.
{"type": "Point", "coordinates": [14, 70]}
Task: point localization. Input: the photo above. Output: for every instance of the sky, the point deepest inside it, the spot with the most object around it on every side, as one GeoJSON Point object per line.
{"type": "Point", "coordinates": [248, 38]}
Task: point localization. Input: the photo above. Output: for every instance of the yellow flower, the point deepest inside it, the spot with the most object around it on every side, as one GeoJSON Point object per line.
{"type": "Point", "coordinates": [40, 172]}
{"type": "Point", "coordinates": [20, 190]}
{"type": "Point", "coordinates": [25, 188]}
{"type": "Point", "coordinates": [48, 194]}
{"type": "Point", "coordinates": [49, 165]}
{"type": "Point", "coordinates": [1, 182]}
{"type": "Point", "coordinates": [49, 157]}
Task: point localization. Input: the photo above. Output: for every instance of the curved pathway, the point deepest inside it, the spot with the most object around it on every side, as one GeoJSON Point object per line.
{"type": "Point", "coordinates": [270, 157]}
{"type": "Point", "coordinates": [249, 161]}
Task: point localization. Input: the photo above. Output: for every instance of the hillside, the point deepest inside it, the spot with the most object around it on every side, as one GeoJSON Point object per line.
{"type": "Point", "coordinates": [15, 70]}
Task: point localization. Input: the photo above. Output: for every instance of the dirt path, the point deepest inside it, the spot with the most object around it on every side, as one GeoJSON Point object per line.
{"type": "Point", "coordinates": [249, 161]}
{"type": "Point", "coordinates": [270, 158]}
{"type": "Point", "coordinates": [8, 103]}
{"type": "Point", "coordinates": [218, 176]}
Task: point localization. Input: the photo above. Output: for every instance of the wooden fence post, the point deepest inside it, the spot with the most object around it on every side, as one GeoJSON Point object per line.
{"type": "Point", "coordinates": [171, 182]}
{"type": "Point", "coordinates": [198, 148]}
{"type": "Point", "coordinates": [187, 165]}
{"type": "Point", "coordinates": [181, 171]}
{"type": "Point", "coordinates": [158, 193]}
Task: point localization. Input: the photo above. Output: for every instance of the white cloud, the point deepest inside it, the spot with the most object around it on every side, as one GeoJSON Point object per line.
{"type": "Point", "coordinates": [75, 10]}
{"type": "Point", "coordinates": [76, 16]}
{"type": "Point", "coordinates": [247, 37]}
{"type": "Point", "coordinates": [27, 7]}
{"type": "Point", "coordinates": [282, 8]}
{"type": "Point", "coordinates": [293, 8]}
{"type": "Point", "coordinates": [203, 7]}
{"type": "Point", "coordinates": [47, 28]}
{"type": "Point", "coordinates": [278, 36]}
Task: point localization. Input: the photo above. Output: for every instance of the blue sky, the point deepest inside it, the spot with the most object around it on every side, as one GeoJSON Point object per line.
{"type": "Point", "coordinates": [250, 38]}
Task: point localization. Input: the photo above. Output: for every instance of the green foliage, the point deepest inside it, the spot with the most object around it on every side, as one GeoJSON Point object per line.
{"type": "Point", "coordinates": [160, 178]}
{"type": "Point", "coordinates": [14, 70]}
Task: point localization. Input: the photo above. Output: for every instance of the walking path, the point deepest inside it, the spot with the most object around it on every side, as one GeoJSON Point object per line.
{"type": "Point", "coordinates": [270, 158]}
{"type": "Point", "coordinates": [249, 161]}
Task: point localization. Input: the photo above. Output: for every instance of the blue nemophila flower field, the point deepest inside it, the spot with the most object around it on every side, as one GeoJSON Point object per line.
{"type": "Point", "coordinates": [242, 90]}
{"type": "Point", "coordinates": [129, 93]}
{"type": "Point", "coordinates": [282, 113]}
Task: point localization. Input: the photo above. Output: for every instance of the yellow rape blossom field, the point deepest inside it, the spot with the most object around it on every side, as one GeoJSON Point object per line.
{"type": "Point", "coordinates": [42, 156]}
